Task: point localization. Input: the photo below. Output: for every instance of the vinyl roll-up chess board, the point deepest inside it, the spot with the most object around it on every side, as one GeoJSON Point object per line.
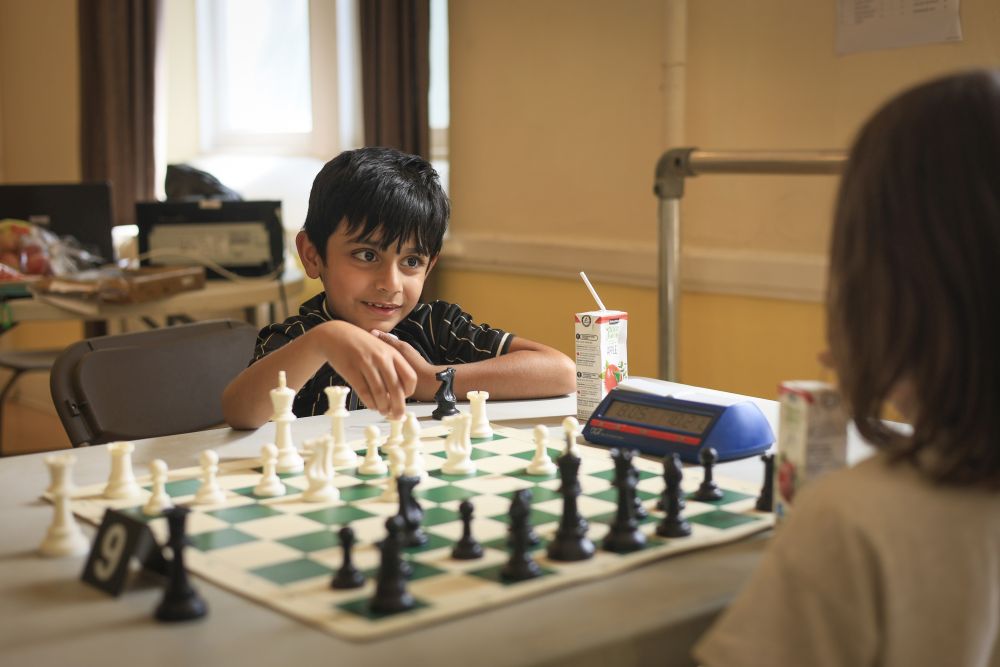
{"type": "Point", "coordinates": [282, 552]}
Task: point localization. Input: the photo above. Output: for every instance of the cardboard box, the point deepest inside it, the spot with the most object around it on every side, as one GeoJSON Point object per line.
{"type": "Point", "coordinates": [812, 438]}
{"type": "Point", "coordinates": [125, 285]}
{"type": "Point", "coordinates": [601, 357]}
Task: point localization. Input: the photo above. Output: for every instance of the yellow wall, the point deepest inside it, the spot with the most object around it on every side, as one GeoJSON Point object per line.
{"type": "Point", "coordinates": [558, 117]}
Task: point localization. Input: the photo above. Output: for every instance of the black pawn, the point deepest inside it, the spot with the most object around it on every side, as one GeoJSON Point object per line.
{"type": "Point", "coordinates": [180, 601]}
{"type": "Point", "coordinates": [570, 542]}
{"type": "Point", "coordinates": [521, 566]}
{"type": "Point", "coordinates": [466, 548]}
{"type": "Point", "coordinates": [391, 595]}
{"type": "Point", "coordinates": [445, 395]}
{"type": "Point", "coordinates": [624, 535]}
{"type": "Point", "coordinates": [765, 501]}
{"type": "Point", "coordinates": [708, 490]}
{"type": "Point", "coordinates": [347, 576]}
{"type": "Point", "coordinates": [674, 524]}
{"type": "Point", "coordinates": [410, 512]}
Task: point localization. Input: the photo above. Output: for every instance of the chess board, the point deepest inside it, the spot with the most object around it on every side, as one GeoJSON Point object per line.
{"type": "Point", "coordinates": [282, 552]}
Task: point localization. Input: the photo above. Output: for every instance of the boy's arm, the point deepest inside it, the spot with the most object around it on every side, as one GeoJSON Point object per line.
{"type": "Point", "coordinates": [528, 370]}
{"type": "Point", "coordinates": [378, 373]}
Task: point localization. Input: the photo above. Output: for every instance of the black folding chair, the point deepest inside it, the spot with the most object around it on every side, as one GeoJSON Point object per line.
{"type": "Point", "coordinates": [149, 383]}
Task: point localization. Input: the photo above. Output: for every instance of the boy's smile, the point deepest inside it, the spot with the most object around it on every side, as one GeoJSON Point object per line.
{"type": "Point", "coordinates": [370, 287]}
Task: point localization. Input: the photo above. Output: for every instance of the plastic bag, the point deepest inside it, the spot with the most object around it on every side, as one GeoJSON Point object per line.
{"type": "Point", "coordinates": [28, 250]}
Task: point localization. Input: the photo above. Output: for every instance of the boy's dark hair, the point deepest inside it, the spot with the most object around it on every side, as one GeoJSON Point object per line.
{"type": "Point", "coordinates": [381, 193]}
{"type": "Point", "coordinates": [914, 290]}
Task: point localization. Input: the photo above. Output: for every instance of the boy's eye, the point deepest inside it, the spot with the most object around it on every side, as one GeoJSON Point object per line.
{"type": "Point", "coordinates": [413, 262]}
{"type": "Point", "coordinates": [366, 255]}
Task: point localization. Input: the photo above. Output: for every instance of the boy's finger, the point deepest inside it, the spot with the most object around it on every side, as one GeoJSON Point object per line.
{"type": "Point", "coordinates": [407, 377]}
{"type": "Point", "coordinates": [377, 387]}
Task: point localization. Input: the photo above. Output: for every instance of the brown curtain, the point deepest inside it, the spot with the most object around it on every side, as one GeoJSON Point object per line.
{"type": "Point", "coordinates": [395, 70]}
{"type": "Point", "coordinates": [117, 59]}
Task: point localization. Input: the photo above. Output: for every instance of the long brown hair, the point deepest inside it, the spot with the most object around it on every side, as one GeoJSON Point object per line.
{"type": "Point", "coordinates": [914, 288]}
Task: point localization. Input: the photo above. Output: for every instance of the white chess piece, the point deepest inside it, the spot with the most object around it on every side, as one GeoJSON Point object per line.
{"type": "Point", "coordinates": [60, 474]}
{"type": "Point", "coordinates": [413, 448]}
{"type": "Point", "coordinates": [373, 463]}
{"type": "Point", "coordinates": [121, 482]}
{"type": "Point", "coordinates": [209, 493]}
{"type": "Point", "coordinates": [320, 476]}
{"type": "Point", "coordinates": [64, 537]}
{"type": "Point", "coordinates": [571, 427]}
{"type": "Point", "coordinates": [395, 438]}
{"type": "Point", "coordinates": [282, 397]}
{"type": "Point", "coordinates": [541, 463]}
{"type": "Point", "coordinates": [480, 423]}
{"type": "Point", "coordinates": [397, 463]}
{"type": "Point", "coordinates": [458, 446]}
{"type": "Point", "coordinates": [269, 485]}
{"type": "Point", "coordinates": [343, 455]}
{"type": "Point", "coordinates": [159, 500]}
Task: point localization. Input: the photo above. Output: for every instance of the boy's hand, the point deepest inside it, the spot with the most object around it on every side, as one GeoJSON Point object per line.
{"type": "Point", "coordinates": [382, 376]}
{"type": "Point", "coordinates": [426, 383]}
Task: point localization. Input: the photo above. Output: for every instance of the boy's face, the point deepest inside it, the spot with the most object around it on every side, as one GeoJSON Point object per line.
{"type": "Point", "coordinates": [366, 286]}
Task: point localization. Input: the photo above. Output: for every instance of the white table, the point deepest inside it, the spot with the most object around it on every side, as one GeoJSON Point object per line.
{"type": "Point", "coordinates": [218, 295]}
{"type": "Point", "coordinates": [651, 615]}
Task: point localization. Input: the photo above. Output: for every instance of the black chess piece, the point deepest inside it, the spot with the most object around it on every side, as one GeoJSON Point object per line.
{"type": "Point", "coordinates": [661, 502]}
{"type": "Point", "coordinates": [765, 501]}
{"type": "Point", "coordinates": [181, 601]}
{"type": "Point", "coordinates": [391, 595]}
{"type": "Point", "coordinates": [521, 566]}
{"type": "Point", "coordinates": [410, 512]}
{"type": "Point", "coordinates": [708, 490]}
{"type": "Point", "coordinates": [640, 510]}
{"type": "Point", "coordinates": [624, 535]}
{"type": "Point", "coordinates": [445, 395]}
{"type": "Point", "coordinates": [347, 576]}
{"type": "Point", "coordinates": [674, 524]}
{"type": "Point", "coordinates": [467, 548]}
{"type": "Point", "coordinates": [570, 542]}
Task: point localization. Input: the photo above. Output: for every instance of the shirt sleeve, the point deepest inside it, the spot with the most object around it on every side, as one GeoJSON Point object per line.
{"type": "Point", "coordinates": [813, 600]}
{"type": "Point", "coordinates": [277, 335]}
{"type": "Point", "coordinates": [445, 334]}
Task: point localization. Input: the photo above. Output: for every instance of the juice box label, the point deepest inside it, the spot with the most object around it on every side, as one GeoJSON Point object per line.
{"type": "Point", "coordinates": [601, 357]}
{"type": "Point", "coordinates": [812, 438]}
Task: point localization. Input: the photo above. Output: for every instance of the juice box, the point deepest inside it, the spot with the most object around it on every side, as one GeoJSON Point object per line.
{"type": "Point", "coordinates": [812, 438]}
{"type": "Point", "coordinates": [601, 357]}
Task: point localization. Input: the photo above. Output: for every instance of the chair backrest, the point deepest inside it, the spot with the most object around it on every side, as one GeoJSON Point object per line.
{"type": "Point", "coordinates": [149, 383]}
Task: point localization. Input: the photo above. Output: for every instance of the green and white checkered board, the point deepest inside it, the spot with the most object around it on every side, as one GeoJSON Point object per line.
{"type": "Point", "coordinates": [282, 552]}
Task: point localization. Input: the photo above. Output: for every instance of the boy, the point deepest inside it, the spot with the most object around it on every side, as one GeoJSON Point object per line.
{"type": "Point", "coordinates": [373, 232]}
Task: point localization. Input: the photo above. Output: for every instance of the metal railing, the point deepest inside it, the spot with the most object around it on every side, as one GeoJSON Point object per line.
{"type": "Point", "coordinates": [678, 164]}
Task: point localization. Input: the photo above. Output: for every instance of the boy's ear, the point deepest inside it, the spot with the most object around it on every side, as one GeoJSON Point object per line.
{"type": "Point", "coordinates": [311, 261]}
{"type": "Point", "coordinates": [431, 263]}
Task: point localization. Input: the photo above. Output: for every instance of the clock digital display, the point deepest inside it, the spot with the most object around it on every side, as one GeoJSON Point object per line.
{"type": "Point", "coordinates": [656, 416]}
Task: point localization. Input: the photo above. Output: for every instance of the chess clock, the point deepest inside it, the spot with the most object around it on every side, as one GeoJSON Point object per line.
{"type": "Point", "coordinates": [659, 418]}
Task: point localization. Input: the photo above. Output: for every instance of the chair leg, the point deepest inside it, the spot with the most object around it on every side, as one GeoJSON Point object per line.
{"type": "Point", "coordinates": [3, 402]}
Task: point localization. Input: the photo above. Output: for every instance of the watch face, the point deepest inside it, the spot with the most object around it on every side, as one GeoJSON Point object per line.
{"type": "Point", "coordinates": [651, 415]}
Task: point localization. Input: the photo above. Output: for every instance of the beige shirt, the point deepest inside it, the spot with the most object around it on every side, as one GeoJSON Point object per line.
{"type": "Point", "coordinates": [876, 566]}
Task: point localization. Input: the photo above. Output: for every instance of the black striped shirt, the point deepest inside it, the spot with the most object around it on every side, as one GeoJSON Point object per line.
{"type": "Point", "coordinates": [441, 332]}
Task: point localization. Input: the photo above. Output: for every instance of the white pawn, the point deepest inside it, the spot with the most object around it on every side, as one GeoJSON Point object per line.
{"type": "Point", "coordinates": [395, 438]}
{"type": "Point", "coordinates": [60, 474]}
{"type": "Point", "coordinates": [412, 448]}
{"type": "Point", "coordinates": [121, 482]}
{"type": "Point", "coordinates": [480, 424]}
{"type": "Point", "coordinates": [397, 462]}
{"type": "Point", "coordinates": [343, 455]}
{"type": "Point", "coordinates": [159, 501]}
{"type": "Point", "coordinates": [541, 463]}
{"type": "Point", "coordinates": [571, 427]}
{"type": "Point", "coordinates": [209, 493]}
{"type": "Point", "coordinates": [64, 537]}
{"type": "Point", "coordinates": [269, 485]}
{"type": "Point", "coordinates": [320, 476]}
{"type": "Point", "coordinates": [458, 446]}
{"type": "Point", "coordinates": [373, 463]}
{"type": "Point", "coordinates": [282, 398]}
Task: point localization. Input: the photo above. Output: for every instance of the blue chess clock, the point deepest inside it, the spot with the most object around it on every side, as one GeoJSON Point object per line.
{"type": "Point", "coordinates": [658, 418]}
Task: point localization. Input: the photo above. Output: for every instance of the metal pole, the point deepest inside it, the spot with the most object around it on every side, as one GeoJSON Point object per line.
{"type": "Point", "coordinates": [673, 167]}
